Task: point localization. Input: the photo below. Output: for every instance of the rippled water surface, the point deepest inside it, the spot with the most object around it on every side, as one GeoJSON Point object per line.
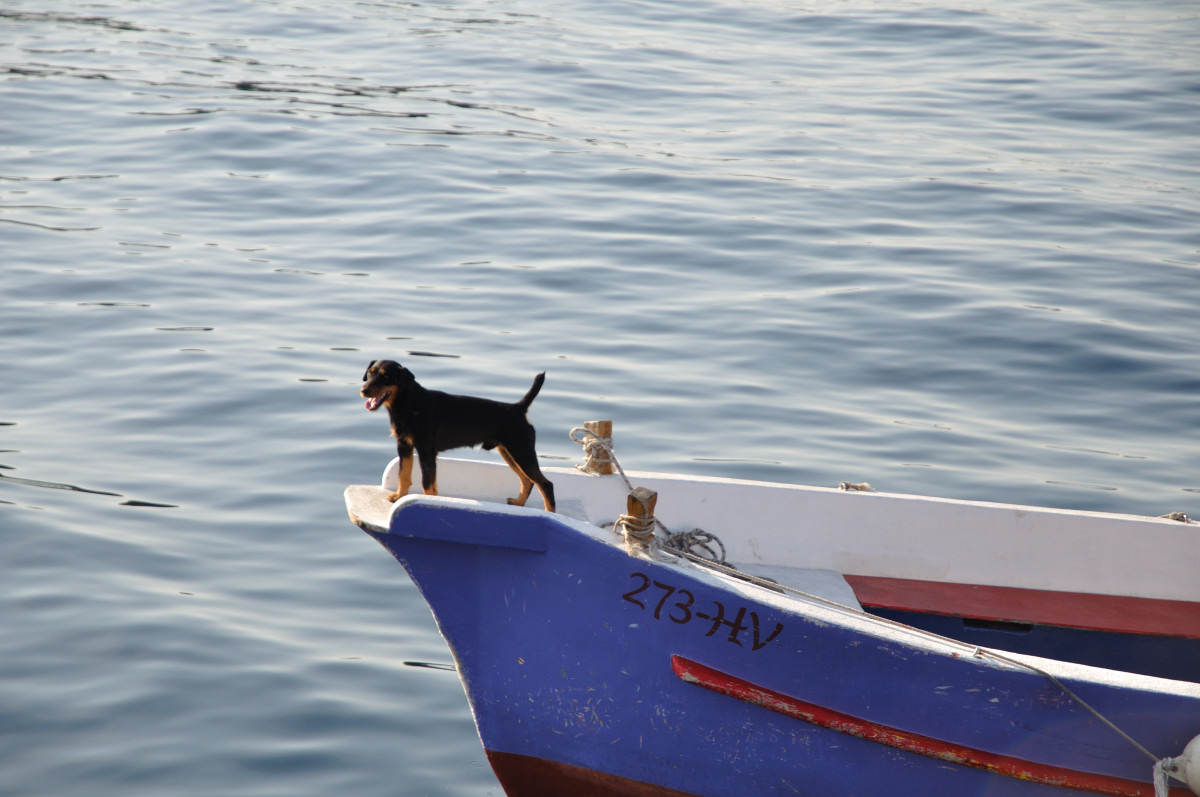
{"type": "Point", "coordinates": [951, 249]}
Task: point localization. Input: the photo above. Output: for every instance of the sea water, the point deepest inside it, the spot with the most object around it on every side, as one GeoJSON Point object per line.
{"type": "Point", "coordinates": [947, 248]}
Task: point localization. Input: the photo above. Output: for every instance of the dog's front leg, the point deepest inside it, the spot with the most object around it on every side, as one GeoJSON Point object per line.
{"type": "Point", "coordinates": [428, 471]}
{"type": "Point", "coordinates": [405, 452]}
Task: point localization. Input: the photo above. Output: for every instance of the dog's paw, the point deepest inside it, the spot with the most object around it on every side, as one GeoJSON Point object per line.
{"type": "Point", "coordinates": [393, 497]}
{"type": "Point", "coordinates": [515, 502]}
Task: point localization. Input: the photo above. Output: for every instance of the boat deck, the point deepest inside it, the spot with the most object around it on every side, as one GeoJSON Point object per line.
{"type": "Point", "coordinates": [370, 510]}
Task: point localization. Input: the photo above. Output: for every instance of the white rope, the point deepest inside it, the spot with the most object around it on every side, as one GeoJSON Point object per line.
{"type": "Point", "coordinates": [638, 533]}
{"type": "Point", "coordinates": [597, 450]}
{"type": "Point", "coordinates": [1167, 768]}
{"type": "Point", "coordinates": [1161, 787]}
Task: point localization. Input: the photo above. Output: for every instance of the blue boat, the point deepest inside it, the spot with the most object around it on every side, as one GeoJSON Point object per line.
{"type": "Point", "coordinates": [852, 643]}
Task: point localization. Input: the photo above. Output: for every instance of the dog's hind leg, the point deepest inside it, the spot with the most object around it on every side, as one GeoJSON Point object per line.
{"type": "Point", "coordinates": [527, 469]}
{"type": "Point", "coordinates": [547, 490]}
{"type": "Point", "coordinates": [526, 482]}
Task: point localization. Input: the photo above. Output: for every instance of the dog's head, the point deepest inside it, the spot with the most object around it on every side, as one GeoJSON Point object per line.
{"type": "Point", "coordinates": [384, 382]}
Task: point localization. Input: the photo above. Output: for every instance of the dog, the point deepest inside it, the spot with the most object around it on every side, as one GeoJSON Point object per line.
{"type": "Point", "coordinates": [430, 421]}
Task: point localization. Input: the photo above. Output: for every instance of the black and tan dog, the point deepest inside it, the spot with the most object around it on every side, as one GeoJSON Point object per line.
{"type": "Point", "coordinates": [430, 421]}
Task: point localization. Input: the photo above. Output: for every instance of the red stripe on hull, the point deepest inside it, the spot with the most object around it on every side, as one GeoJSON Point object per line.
{"type": "Point", "coordinates": [527, 776]}
{"type": "Point", "coordinates": [1041, 607]}
{"type": "Point", "coordinates": [723, 683]}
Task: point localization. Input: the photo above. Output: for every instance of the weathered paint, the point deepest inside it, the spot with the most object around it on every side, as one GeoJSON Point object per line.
{"type": "Point", "coordinates": [723, 683]}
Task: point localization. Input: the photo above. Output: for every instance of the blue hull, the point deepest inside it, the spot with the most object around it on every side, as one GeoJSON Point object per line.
{"type": "Point", "coordinates": [580, 663]}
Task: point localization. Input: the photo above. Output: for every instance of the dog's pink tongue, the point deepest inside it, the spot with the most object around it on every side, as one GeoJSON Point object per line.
{"type": "Point", "coordinates": [372, 404]}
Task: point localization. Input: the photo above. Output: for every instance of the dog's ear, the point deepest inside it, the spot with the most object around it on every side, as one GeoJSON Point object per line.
{"type": "Point", "coordinates": [401, 374]}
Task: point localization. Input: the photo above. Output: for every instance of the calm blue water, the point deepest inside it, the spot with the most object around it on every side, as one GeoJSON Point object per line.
{"type": "Point", "coordinates": [951, 249]}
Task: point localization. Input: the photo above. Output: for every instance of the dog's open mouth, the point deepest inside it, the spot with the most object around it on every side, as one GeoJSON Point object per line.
{"type": "Point", "coordinates": [375, 402]}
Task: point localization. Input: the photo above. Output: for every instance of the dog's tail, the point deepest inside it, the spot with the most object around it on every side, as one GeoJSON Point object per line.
{"type": "Point", "coordinates": [528, 398]}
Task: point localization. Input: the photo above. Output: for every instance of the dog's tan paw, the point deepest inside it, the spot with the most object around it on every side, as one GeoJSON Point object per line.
{"type": "Point", "coordinates": [515, 502]}
{"type": "Point", "coordinates": [393, 497]}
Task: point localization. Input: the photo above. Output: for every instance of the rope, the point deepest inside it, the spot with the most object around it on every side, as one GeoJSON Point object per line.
{"type": "Point", "coordinates": [1162, 788]}
{"type": "Point", "coordinates": [638, 533]}
{"type": "Point", "coordinates": [981, 652]}
{"type": "Point", "coordinates": [697, 538]}
{"type": "Point", "coordinates": [597, 451]}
